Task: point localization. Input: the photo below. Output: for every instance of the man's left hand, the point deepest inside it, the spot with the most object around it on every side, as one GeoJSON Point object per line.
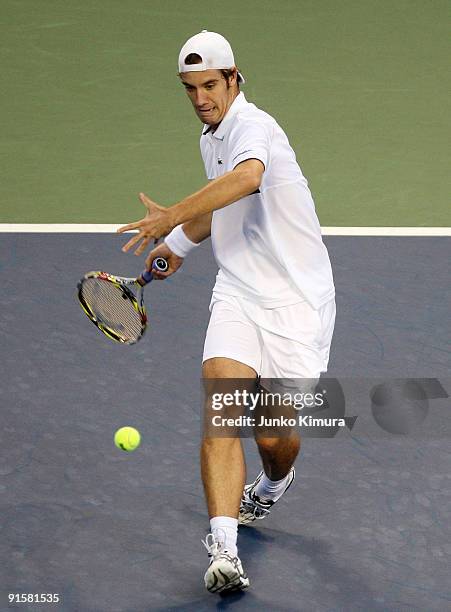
{"type": "Point", "coordinates": [156, 223]}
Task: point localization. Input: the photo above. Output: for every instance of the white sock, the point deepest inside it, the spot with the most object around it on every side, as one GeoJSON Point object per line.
{"type": "Point", "coordinates": [270, 489]}
{"type": "Point", "coordinates": [225, 530]}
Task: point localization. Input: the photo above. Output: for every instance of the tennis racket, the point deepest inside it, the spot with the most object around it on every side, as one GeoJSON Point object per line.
{"type": "Point", "coordinates": [115, 304]}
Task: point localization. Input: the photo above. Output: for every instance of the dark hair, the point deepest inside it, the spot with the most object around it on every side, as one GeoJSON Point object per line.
{"type": "Point", "coordinates": [195, 58]}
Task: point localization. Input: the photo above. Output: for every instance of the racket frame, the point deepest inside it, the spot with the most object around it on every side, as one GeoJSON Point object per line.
{"type": "Point", "coordinates": [123, 283]}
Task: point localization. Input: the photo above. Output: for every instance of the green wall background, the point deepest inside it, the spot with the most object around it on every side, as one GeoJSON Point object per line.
{"type": "Point", "coordinates": [92, 110]}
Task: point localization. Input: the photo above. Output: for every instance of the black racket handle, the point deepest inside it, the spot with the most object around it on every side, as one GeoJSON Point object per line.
{"type": "Point", "coordinates": [160, 264]}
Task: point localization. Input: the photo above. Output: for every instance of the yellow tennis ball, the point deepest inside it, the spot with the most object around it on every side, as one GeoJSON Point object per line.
{"type": "Point", "coordinates": [127, 438]}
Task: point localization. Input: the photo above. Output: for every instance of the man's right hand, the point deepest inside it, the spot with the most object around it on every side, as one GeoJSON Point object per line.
{"type": "Point", "coordinates": [174, 262]}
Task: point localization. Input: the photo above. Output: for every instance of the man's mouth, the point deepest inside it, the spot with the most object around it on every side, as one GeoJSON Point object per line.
{"type": "Point", "coordinates": [206, 110]}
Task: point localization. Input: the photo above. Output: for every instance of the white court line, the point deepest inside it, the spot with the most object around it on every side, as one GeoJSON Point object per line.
{"type": "Point", "coordinates": [386, 231]}
{"type": "Point", "coordinates": [103, 228]}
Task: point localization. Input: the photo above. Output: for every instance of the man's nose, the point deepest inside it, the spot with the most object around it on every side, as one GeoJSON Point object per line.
{"type": "Point", "coordinates": [201, 98]}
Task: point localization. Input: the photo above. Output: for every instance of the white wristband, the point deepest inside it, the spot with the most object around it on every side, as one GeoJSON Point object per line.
{"type": "Point", "coordinates": [179, 243]}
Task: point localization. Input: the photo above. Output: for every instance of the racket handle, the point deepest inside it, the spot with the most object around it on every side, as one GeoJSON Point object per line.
{"type": "Point", "coordinates": [159, 264]}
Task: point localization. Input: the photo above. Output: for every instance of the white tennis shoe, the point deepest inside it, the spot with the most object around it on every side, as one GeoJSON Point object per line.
{"type": "Point", "coordinates": [252, 508]}
{"type": "Point", "coordinates": [225, 572]}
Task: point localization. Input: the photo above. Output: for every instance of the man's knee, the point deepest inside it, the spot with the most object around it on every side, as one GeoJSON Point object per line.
{"type": "Point", "coordinates": [222, 367]}
{"type": "Point", "coordinates": [275, 445]}
{"type": "Point", "coordinates": [219, 444]}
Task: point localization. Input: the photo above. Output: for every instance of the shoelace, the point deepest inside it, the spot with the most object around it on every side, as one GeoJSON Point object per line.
{"type": "Point", "coordinates": [214, 548]}
{"type": "Point", "coordinates": [259, 511]}
{"type": "Point", "coordinates": [256, 511]}
{"type": "Point", "coordinates": [255, 507]}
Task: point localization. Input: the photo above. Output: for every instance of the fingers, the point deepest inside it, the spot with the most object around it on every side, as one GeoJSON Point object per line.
{"type": "Point", "coordinates": [149, 260]}
{"type": "Point", "coordinates": [151, 207]}
{"type": "Point", "coordinates": [155, 273]}
{"type": "Point", "coordinates": [159, 275]}
{"type": "Point", "coordinates": [131, 243]}
{"type": "Point", "coordinates": [142, 247]}
{"type": "Point", "coordinates": [148, 203]}
{"type": "Point", "coordinates": [149, 228]}
{"type": "Point", "coordinates": [130, 226]}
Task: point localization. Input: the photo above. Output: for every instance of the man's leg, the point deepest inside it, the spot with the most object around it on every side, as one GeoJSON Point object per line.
{"type": "Point", "coordinates": [223, 473]}
{"type": "Point", "coordinates": [222, 459]}
{"type": "Point", "coordinates": [278, 454]}
{"type": "Point", "coordinates": [287, 358]}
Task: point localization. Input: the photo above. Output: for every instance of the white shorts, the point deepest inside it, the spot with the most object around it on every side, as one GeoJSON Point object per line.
{"type": "Point", "coordinates": [288, 342]}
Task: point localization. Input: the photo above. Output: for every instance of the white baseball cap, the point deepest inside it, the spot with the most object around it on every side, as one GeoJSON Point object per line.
{"type": "Point", "coordinates": [215, 51]}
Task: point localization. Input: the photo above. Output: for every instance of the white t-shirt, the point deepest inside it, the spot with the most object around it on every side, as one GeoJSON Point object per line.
{"type": "Point", "coordinates": [267, 245]}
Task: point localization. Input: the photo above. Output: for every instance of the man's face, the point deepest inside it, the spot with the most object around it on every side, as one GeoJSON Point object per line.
{"type": "Point", "coordinates": [209, 94]}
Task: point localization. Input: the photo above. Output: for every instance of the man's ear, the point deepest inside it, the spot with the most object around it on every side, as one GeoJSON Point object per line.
{"type": "Point", "coordinates": [233, 78]}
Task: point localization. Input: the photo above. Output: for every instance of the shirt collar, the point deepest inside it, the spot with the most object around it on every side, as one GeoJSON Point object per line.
{"type": "Point", "coordinates": [238, 104]}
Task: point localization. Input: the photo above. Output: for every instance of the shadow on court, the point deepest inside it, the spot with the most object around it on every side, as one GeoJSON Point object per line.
{"type": "Point", "coordinates": [366, 525]}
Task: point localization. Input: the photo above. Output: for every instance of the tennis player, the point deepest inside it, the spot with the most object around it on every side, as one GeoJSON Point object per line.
{"type": "Point", "coordinates": [273, 304]}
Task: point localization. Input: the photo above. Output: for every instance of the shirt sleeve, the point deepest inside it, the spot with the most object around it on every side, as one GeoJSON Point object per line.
{"type": "Point", "coordinates": [249, 140]}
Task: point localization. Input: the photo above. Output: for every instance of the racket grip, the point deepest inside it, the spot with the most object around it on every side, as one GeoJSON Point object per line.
{"type": "Point", "coordinates": [159, 264]}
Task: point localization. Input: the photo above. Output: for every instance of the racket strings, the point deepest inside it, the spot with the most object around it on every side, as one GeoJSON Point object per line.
{"type": "Point", "coordinates": [112, 307]}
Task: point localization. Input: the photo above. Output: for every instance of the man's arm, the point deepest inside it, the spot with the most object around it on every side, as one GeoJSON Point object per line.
{"type": "Point", "coordinates": [226, 189]}
{"type": "Point", "coordinates": [199, 228]}
{"type": "Point", "coordinates": [195, 230]}
{"type": "Point", "coordinates": [159, 221]}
